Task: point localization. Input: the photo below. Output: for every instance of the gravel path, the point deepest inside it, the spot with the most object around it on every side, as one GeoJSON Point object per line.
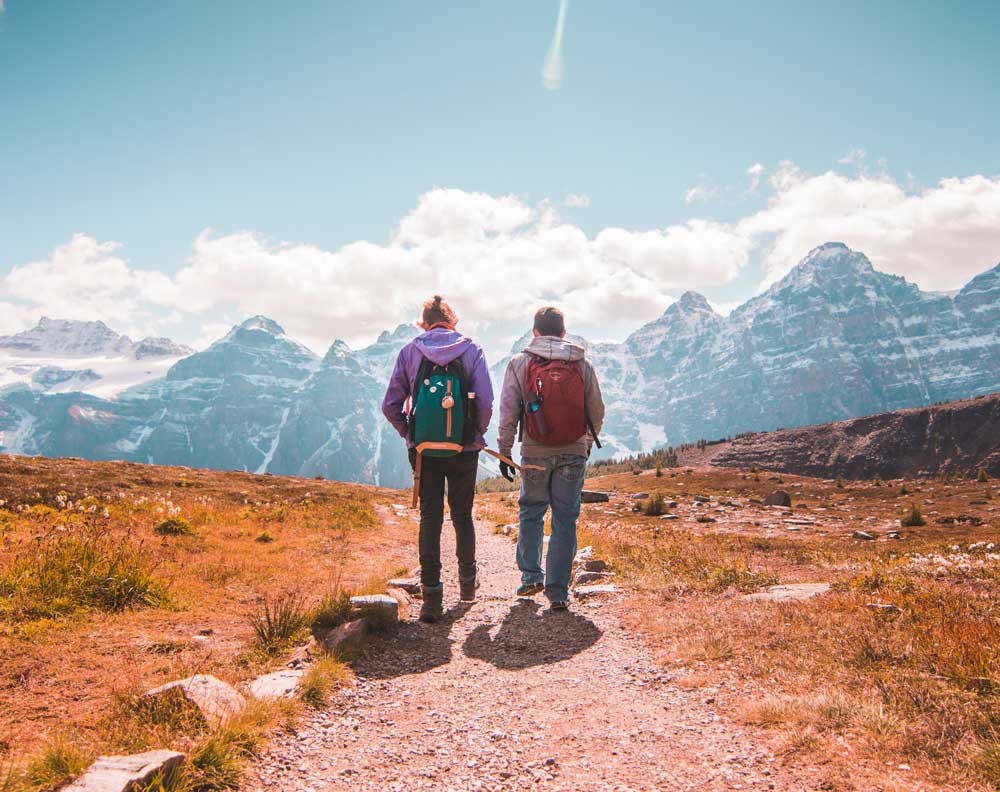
{"type": "Point", "coordinates": [508, 695]}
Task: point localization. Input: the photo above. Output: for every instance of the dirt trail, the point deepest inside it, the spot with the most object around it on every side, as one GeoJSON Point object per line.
{"type": "Point", "coordinates": [505, 695]}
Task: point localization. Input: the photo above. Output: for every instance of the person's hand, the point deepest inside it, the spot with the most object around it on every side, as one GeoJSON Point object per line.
{"type": "Point", "coordinates": [506, 471]}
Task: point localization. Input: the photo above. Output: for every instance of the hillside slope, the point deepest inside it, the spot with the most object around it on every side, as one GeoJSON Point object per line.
{"type": "Point", "coordinates": [956, 438]}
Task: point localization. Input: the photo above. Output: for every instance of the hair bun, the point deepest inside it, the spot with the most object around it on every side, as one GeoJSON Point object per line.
{"type": "Point", "coordinates": [437, 300]}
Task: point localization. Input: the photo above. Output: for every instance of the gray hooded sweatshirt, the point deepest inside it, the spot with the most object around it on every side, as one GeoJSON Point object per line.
{"type": "Point", "coordinates": [513, 396]}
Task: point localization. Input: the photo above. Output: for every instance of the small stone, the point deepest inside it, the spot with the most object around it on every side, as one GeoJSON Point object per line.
{"type": "Point", "coordinates": [378, 609]}
{"type": "Point", "coordinates": [864, 535]}
{"type": "Point", "coordinates": [583, 577]}
{"type": "Point", "coordinates": [583, 592]}
{"type": "Point", "coordinates": [668, 517]}
{"type": "Point", "coordinates": [280, 684]}
{"type": "Point", "coordinates": [892, 535]}
{"type": "Point", "coordinates": [403, 601]}
{"type": "Point", "coordinates": [640, 496]}
{"type": "Point", "coordinates": [409, 585]}
{"type": "Point", "coordinates": [778, 498]}
{"type": "Point", "coordinates": [590, 496]}
{"type": "Point", "coordinates": [215, 700]}
{"type": "Point", "coordinates": [594, 565]}
{"type": "Point", "coordinates": [125, 773]}
{"type": "Point", "coordinates": [347, 639]}
{"type": "Point", "coordinates": [585, 554]}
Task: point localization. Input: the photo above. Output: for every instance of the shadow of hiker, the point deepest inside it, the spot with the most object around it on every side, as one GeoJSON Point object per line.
{"type": "Point", "coordinates": [527, 638]}
{"type": "Point", "coordinates": [414, 647]}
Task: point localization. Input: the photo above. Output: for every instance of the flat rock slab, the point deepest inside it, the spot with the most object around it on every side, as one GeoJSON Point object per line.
{"type": "Point", "coordinates": [590, 496]}
{"type": "Point", "coordinates": [864, 536]}
{"type": "Point", "coordinates": [125, 773]}
{"type": "Point", "coordinates": [584, 554]}
{"type": "Point", "coordinates": [409, 585]}
{"type": "Point", "coordinates": [216, 700]}
{"type": "Point", "coordinates": [583, 592]}
{"type": "Point", "coordinates": [790, 592]}
{"type": "Point", "coordinates": [378, 609]}
{"type": "Point", "coordinates": [280, 684]}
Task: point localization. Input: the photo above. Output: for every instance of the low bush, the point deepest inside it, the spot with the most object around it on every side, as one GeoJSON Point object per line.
{"type": "Point", "coordinates": [912, 518]}
{"type": "Point", "coordinates": [175, 526]}
{"type": "Point", "coordinates": [79, 571]}
{"type": "Point", "coordinates": [279, 621]}
{"type": "Point", "coordinates": [323, 677]}
{"type": "Point", "coordinates": [654, 507]}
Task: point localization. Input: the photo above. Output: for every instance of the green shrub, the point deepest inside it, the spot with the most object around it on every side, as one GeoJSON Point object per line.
{"type": "Point", "coordinates": [57, 765]}
{"type": "Point", "coordinates": [77, 571]}
{"type": "Point", "coordinates": [912, 518]}
{"type": "Point", "coordinates": [334, 609]}
{"type": "Point", "coordinates": [654, 506]}
{"type": "Point", "coordinates": [264, 538]}
{"type": "Point", "coordinates": [175, 526]}
{"type": "Point", "coordinates": [278, 622]}
{"type": "Point", "coordinates": [323, 677]}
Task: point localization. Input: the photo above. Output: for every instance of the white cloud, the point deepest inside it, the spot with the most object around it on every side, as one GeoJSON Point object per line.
{"type": "Point", "coordinates": [496, 258]}
{"type": "Point", "coordinates": [699, 195]}
{"type": "Point", "coordinates": [576, 201]}
{"type": "Point", "coordinates": [755, 172]}
{"type": "Point", "coordinates": [938, 237]}
{"type": "Point", "coordinates": [853, 157]}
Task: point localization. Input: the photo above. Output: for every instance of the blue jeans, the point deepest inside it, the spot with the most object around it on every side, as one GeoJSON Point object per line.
{"type": "Point", "coordinates": [558, 485]}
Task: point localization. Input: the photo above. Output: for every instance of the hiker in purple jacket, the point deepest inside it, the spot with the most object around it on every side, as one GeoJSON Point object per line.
{"type": "Point", "coordinates": [441, 344]}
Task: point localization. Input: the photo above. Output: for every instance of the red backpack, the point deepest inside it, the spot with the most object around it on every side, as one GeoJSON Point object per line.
{"type": "Point", "coordinates": [555, 411]}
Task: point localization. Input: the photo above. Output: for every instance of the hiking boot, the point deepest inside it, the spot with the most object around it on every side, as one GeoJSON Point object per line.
{"type": "Point", "coordinates": [559, 605]}
{"type": "Point", "coordinates": [529, 589]}
{"type": "Point", "coordinates": [433, 608]}
{"type": "Point", "coordinates": [467, 589]}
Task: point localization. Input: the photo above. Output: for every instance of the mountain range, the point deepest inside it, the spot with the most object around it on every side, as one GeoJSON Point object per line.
{"type": "Point", "coordinates": [834, 339]}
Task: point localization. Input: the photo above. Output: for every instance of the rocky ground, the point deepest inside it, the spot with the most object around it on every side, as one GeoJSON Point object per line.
{"type": "Point", "coordinates": [505, 694]}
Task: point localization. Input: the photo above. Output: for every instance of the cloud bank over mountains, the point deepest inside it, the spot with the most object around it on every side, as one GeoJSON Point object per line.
{"type": "Point", "coordinates": [498, 257]}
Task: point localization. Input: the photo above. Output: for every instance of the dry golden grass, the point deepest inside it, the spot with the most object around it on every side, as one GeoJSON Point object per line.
{"type": "Point", "coordinates": [172, 602]}
{"type": "Point", "coordinates": [839, 680]}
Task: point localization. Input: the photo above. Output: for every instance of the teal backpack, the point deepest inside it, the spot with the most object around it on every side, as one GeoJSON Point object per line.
{"type": "Point", "coordinates": [441, 416]}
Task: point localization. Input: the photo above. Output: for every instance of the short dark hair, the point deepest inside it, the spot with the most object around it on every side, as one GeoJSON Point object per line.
{"type": "Point", "coordinates": [437, 311]}
{"type": "Point", "coordinates": [549, 321]}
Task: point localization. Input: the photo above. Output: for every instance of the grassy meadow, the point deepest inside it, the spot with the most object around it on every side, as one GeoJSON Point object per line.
{"type": "Point", "coordinates": [116, 577]}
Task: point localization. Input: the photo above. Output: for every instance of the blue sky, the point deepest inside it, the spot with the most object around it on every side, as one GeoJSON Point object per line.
{"type": "Point", "coordinates": [323, 123]}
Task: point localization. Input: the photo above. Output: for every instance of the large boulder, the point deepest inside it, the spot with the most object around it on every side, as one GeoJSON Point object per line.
{"type": "Point", "coordinates": [778, 498]}
{"type": "Point", "coordinates": [212, 698]}
{"type": "Point", "coordinates": [125, 773]}
{"type": "Point", "coordinates": [347, 640]}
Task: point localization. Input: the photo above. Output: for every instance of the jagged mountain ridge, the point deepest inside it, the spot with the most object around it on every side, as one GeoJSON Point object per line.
{"type": "Point", "coordinates": [834, 339]}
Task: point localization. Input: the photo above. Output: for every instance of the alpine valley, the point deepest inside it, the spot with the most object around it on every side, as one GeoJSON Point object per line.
{"type": "Point", "coordinates": [834, 339]}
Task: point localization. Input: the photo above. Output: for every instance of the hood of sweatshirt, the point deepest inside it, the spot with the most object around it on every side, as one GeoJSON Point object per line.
{"type": "Point", "coordinates": [554, 348]}
{"type": "Point", "coordinates": [441, 345]}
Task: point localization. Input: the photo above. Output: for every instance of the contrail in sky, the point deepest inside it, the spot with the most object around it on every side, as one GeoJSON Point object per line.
{"type": "Point", "coordinates": [552, 69]}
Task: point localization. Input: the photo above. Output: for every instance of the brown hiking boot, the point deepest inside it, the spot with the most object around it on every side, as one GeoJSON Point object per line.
{"type": "Point", "coordinates": [467, 589]}
{"type": "Point", "coordinates": [433, 608]}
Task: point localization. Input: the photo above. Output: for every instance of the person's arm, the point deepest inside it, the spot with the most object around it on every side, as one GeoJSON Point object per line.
{"type": "Point", "coordinates": [594, 404]}
{"type": "Point", "coordinates": [510, 410]}
{"type": "Point", "coordinates": [482, 386]}
{"type": "Point", "coordinates": [395, 397]}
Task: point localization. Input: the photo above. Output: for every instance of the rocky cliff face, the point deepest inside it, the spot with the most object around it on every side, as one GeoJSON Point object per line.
{"type": "Point", "coordinates": [957, 438]}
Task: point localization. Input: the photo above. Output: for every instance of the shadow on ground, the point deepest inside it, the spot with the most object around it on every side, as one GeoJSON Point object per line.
{"type": "Point", "coordinates": [412, 649]}
{"type": "Point", "coordinates": [529, 638]}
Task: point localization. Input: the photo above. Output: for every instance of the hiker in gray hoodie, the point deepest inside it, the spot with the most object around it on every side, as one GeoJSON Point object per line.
{"type": "Point", "coordinates": [550, 390]}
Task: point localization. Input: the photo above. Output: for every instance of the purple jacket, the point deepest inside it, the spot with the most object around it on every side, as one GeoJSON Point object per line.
{"type": "Point", "coordinates": [440, 346]}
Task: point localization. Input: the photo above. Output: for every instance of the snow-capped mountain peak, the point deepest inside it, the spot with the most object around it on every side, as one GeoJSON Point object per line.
{"type": "Point", "coordinates": [68, 338]}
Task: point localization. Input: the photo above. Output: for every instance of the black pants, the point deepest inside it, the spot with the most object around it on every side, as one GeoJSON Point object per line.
{"type": "Point", "coordinates": [459, 472]}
